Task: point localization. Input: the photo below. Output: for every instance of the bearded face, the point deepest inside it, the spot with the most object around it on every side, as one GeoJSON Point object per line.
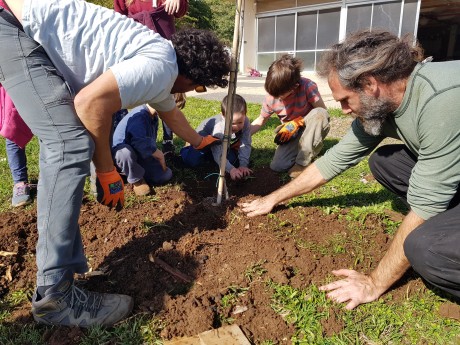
{"type": "Point", "coordinates": [373, 112]}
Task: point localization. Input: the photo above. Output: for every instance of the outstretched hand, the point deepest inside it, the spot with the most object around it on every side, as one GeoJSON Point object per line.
{"type": "Point", "coordinates": [239, 173]}
{"type": "Point", "coordinates": [355, 289]}
{"type": "Point", "coordinates": [172, 6]}
{"type": "Point", "coordinates": [257, 207]}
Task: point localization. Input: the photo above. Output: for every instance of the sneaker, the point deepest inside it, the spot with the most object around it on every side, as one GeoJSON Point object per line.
{"type": "Point", "coordinates": [64, 304]}
{"type": "Point", "coordinates": [296, 170]}
{"type": "Point", "coordinates": [21, 195]}
{"type": "Point", "coordinates": [168, 147]}
{"type": "Point", "coordinates": [141, 188]}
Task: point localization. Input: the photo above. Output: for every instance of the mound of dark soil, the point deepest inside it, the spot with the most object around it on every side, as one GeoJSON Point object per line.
{"type": "Point", "coordinates": [215, 247]}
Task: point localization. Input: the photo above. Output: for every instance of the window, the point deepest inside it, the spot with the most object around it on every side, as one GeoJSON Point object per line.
{"type": "Point", "coordinates": [386, 16]}
{"type": "Point", "coordinates": [307, 33]}
{"type": "Point", "coordinates": [409, 18]}
{"type": "Point", "coordinates": [358, 17]}
{"type": "Point", "coordinates": [302, 34]}
{"type": "Point", "coordinates": [285, 29]}
{"type": "Point", "coordinates": [328, 28]}
{"type": "Point", "coordinates": [266, 27]}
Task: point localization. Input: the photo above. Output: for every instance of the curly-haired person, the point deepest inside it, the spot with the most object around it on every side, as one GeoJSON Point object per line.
{"type": "Point", "coordinates": [60, 47]}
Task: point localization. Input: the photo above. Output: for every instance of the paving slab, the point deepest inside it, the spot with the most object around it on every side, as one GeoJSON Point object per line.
{"type": "Point", "coordinates": [226, 335]}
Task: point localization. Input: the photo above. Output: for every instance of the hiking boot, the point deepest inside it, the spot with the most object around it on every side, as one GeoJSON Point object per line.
{"type": "Point", "coordinates": [141, 188]}
{"type": "Point", "coordinates": [21, 195]}
{"type": "Point", "coordinates": [64, 304]}
{"type": "Point", "coordinates": [296, 170]}
{"type": "Point", "coordinates": [168, 147]}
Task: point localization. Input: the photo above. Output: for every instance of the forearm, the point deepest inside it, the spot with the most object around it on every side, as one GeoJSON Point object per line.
{"type": "Point", "coordinates": [307, 181]}
{"type": "Point", "coordinates": [100, 133]}
{"type": "Point", "coordinates": [177, 122]}
{"type": "Point", "coordinates": [95, 105]}
{"type": "Point", "coordinates": [257, 124]}
{"type": "Point", "coordinates": [394, 264]}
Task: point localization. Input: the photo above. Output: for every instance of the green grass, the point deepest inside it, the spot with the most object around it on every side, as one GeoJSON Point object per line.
{"type": "Point", "coordinates": [413, 320]}
{"type": "Point", "coordinates": [381, 322]}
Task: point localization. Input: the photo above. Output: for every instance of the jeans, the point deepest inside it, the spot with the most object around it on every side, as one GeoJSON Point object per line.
{"type": "Point", "coordinates": [46, 105]}
{"type": "Point", "coordinates": [432, 248]}
{"type": "Point", "coordinates": [17, 162]}
{"type": "Point", "coordinates": [135, 168]}
{"type": "Point", "coordinates": [131, 164]}
{"type": "Point", "coordinates": [193, 158]}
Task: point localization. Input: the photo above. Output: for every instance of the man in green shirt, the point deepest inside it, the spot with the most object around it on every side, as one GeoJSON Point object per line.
{"type": "Point", "coordinates": [382, 81]}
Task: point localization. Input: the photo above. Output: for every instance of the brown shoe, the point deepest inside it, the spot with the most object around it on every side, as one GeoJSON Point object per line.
{"type": "Point", "coordinates": [296, 170]}
{"type": "Point", "coordinates": [141, 188]}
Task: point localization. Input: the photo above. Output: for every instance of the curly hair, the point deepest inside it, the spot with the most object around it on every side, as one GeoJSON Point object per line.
{"type": "Point", "coordinates": [201, 57]}
{"type": "Point", "coordinates": [282, 75]}
{"type": "Point", "coordinates": [379, 54]}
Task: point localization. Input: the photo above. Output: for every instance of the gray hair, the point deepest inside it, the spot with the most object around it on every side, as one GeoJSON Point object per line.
{"type": "Point", "coordinates": [379, 54]}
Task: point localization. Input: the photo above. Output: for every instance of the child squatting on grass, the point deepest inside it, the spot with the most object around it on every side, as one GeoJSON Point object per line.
{"type": "Point", "coordinates": [240, 141]}
{"type": "Point", "coordinates": [135, 151]}
{"type": "Point", "coordinates": [302, 112]}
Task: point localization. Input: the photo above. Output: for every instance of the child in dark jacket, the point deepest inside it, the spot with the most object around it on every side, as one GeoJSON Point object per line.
{"type": "Point", "coordinates": [135, 151]}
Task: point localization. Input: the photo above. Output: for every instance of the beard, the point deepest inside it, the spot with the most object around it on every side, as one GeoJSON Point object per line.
{"type": "Point", "coordinates": [374, 112]}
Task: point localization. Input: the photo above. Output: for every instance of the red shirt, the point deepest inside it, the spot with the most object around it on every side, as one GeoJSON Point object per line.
{"type": "Point", "coordinates": [299, 103]}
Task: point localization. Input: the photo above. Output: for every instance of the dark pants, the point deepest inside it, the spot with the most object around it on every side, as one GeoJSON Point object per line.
{"type": "Point", "coordinates": [433, 248]}
{"type": "Point", "coordinates": [193, 158]}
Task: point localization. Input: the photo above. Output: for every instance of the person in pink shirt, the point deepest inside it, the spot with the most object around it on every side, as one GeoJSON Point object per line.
{"type": "Point", "coordinates": [161, 12]}
{"type": "Point", "coordinates": [303, 115]}
{"type": "Point", "coordinates": [17, 134]}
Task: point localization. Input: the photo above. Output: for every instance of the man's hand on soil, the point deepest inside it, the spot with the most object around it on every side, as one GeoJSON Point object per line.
{"type": "Point", "coordinates": [355, 289]}
{"type": "Point", "coordinates": [257, 207]}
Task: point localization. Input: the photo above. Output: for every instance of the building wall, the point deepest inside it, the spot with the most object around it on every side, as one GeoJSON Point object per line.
{"type": "Point", "coordinates": [306, 28]}
{"type": "Point", "coordinates": [276, 5]}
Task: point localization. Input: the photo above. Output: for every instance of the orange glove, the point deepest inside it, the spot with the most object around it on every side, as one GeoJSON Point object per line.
{"type": "Point", "coordinates": [288, 130]}
{"type": "Point", "coordinates": [110, 187]}
{"type": "Point", "coordinates": [207, 141]}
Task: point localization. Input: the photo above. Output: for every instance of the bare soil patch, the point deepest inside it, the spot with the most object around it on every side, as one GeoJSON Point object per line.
{"type": "Point", "coordinates": [213, 245]}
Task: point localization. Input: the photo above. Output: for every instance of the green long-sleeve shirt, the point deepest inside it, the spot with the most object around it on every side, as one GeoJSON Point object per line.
{"type": "Point", "coordinates": [428, 122]}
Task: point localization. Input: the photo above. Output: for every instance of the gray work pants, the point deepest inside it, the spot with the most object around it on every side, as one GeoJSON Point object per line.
{"type": "Point", "coordinates": [306, 146]}
{"type": "Point", "coordinates": [45, 103]}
